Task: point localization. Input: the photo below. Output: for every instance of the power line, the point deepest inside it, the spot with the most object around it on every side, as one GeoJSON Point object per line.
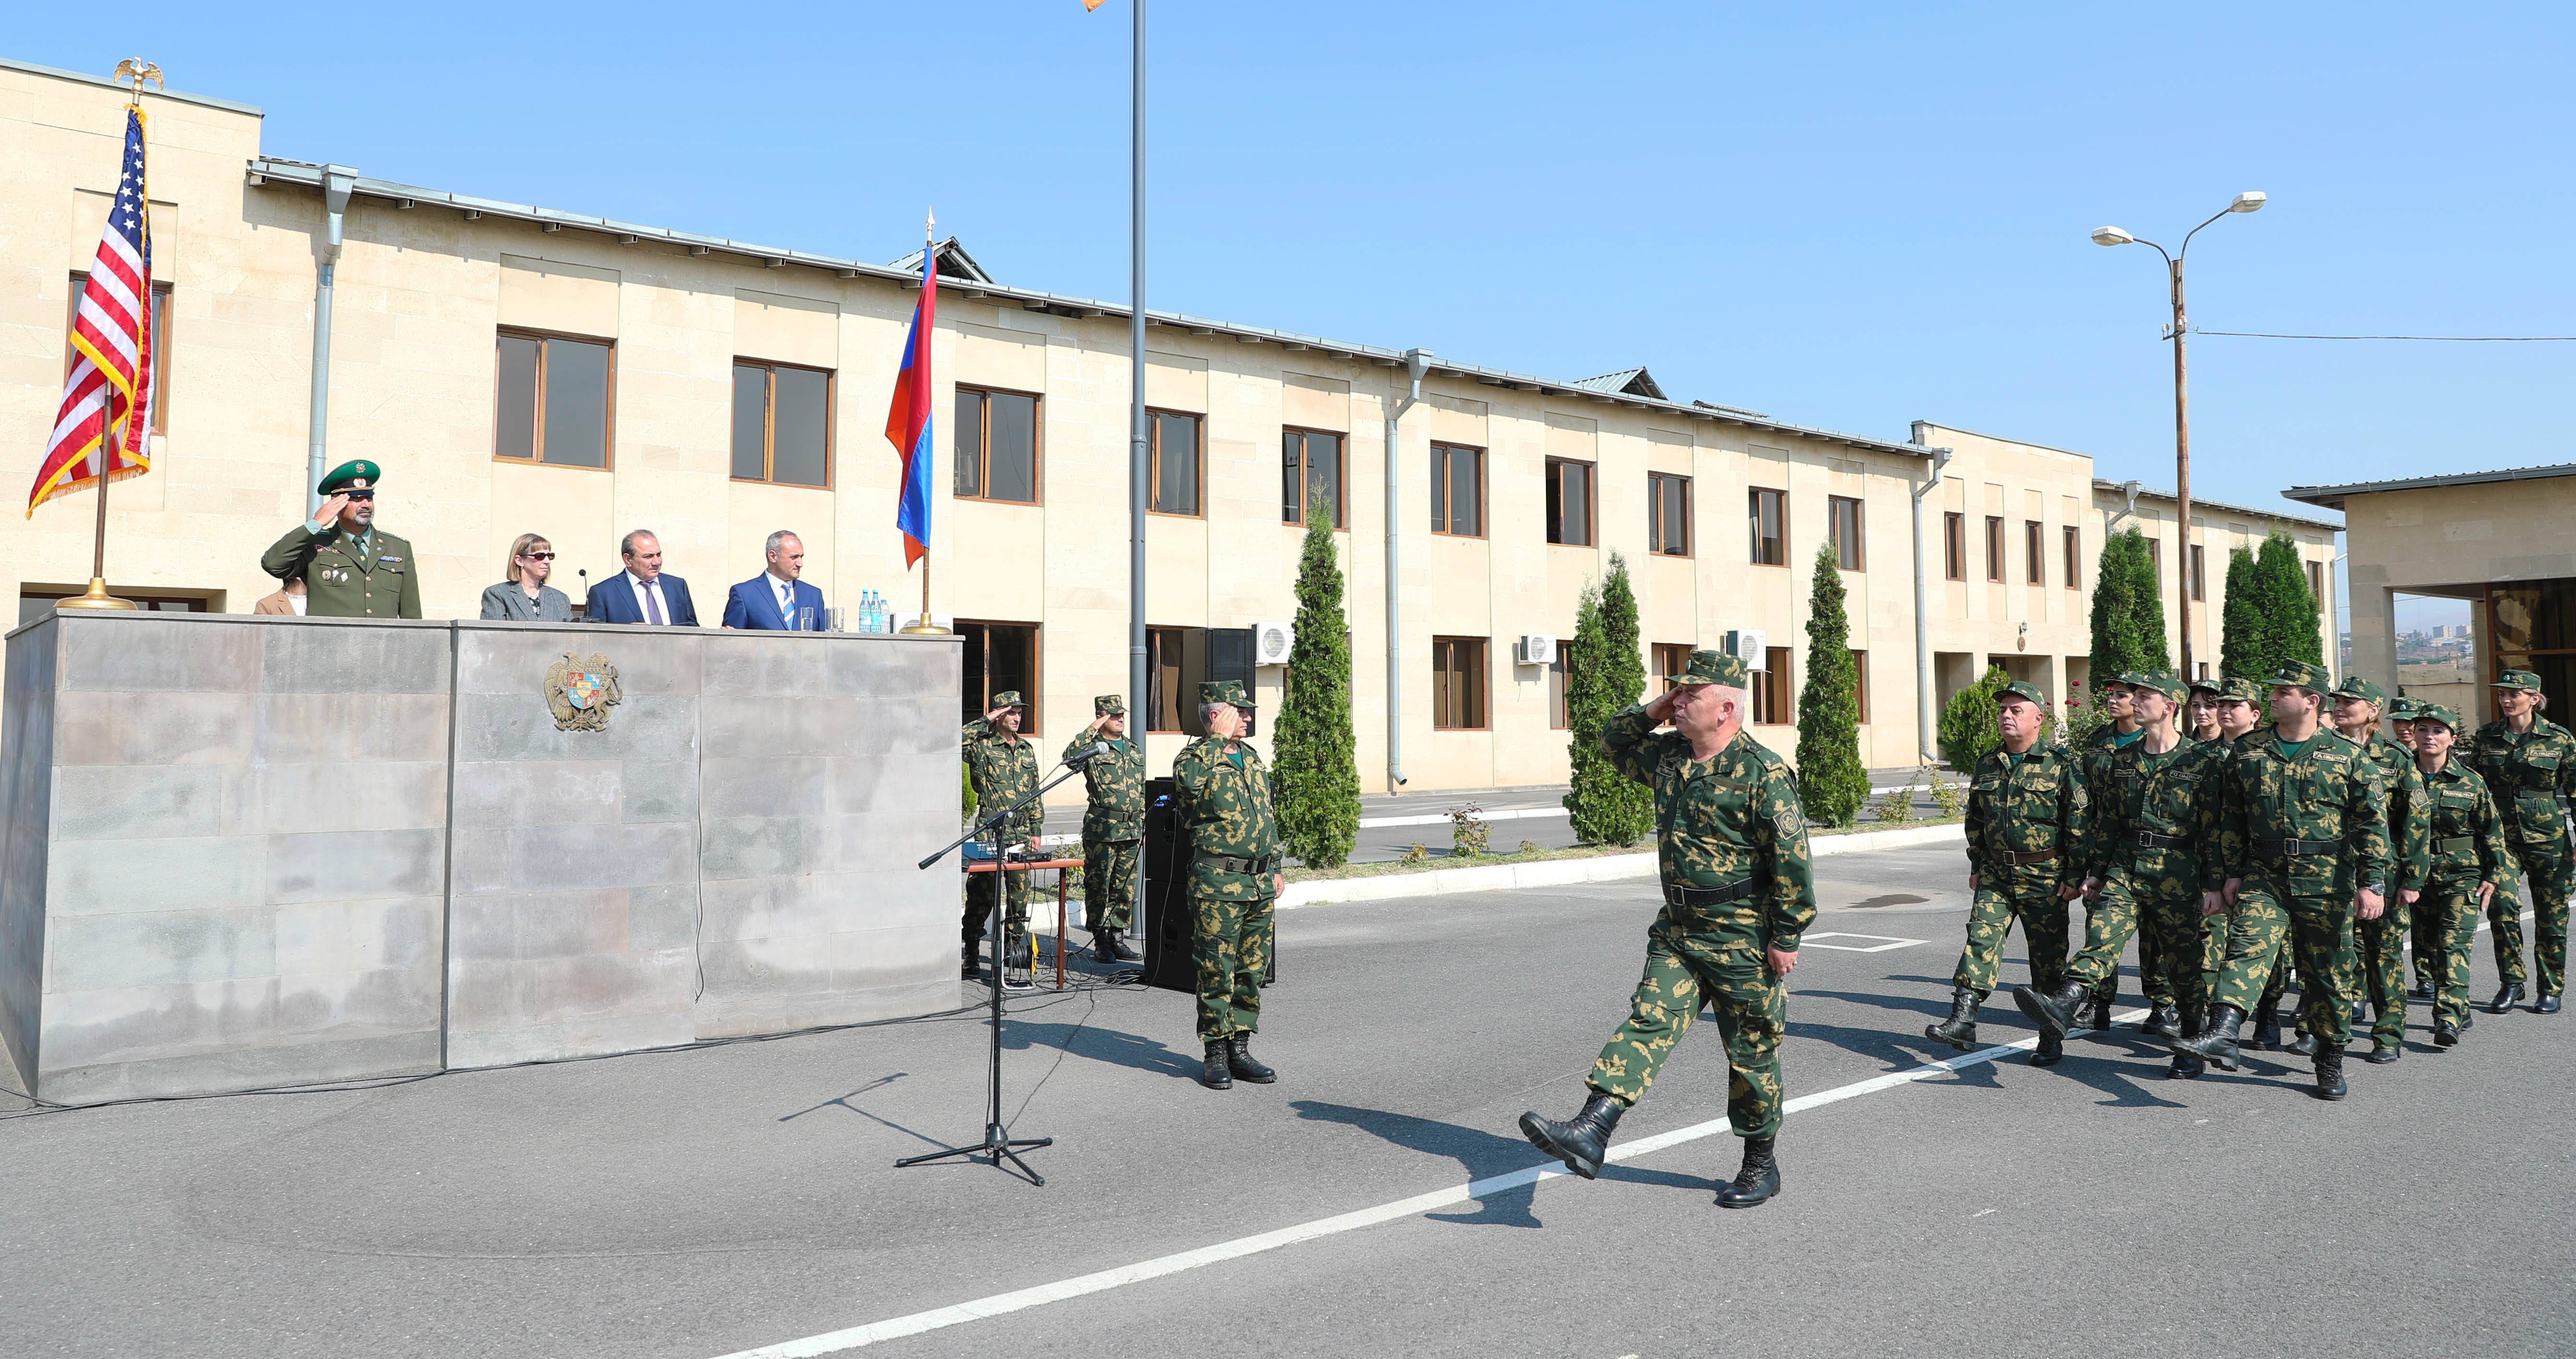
{"type": "Point", "coordinates": [2455, 339]}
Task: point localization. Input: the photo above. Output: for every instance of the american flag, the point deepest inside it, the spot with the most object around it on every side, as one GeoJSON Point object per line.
{"type": "Point", "coordinates": [107, 398]}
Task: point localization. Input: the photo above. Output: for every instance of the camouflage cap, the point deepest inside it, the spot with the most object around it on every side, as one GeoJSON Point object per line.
{"type": "Point", "coordinates": [2023, 690]}
{"type": "Point", "coordinates": [2405, 708]}
{"type": "Point", "coordinates": [2164, 682]}
{"type": "Point", "coordinates": [2216, 688]}
{"type": "Point", "coordinates": [1008, 698]}
{"type": "Point", "coordinates": [2442, 713]}
{"type": "Point", "coordinates": [2301, 674]}
{"type": "Point", "coordinates": [2516, 679]}
{"type": "Point", "coordinates": [1712, 667]}
{"type": "Point", "coordinates": [2239, 689]}
{"type": "Point", "coordinates": [1109, 705]}
{"type": "Point", "coordinates": [2111, 682]}
{"type": "Point", "coordinates": [2354, 686]}
{"type": "Point", "coordinates": [348, 474]}
{"type": "Point", "coordinates": [1224, 691]}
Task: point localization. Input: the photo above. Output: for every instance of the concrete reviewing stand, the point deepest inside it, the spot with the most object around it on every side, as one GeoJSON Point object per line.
{"type": "Point", "coordinates": [239, 852]}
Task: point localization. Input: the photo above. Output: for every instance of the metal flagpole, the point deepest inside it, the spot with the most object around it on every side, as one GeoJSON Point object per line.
{"type": "Point", "coordinates": [926, 625]}
{"type": "Point", "coordinates": [120, 429]}
{"type": "Point", "coordinates": [1137, 450]}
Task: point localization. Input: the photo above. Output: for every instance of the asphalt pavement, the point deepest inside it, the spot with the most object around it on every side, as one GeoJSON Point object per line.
{"type": "Point", "coordinates": [730, 1198]}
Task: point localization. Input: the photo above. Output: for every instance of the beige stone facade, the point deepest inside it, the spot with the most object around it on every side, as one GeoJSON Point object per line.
{"type": "Point", "coordinates": [429, 279]}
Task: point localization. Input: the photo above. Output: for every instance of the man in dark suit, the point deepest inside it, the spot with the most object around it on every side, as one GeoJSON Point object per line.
{"type": "Point", "coordinates": [775, 600]}
{"type": "Point", "coordinates": [641, 593]}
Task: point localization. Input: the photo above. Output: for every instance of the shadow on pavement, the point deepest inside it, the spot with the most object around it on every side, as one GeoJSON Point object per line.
{"type": "Point", "coordinates": [1479, 1153]}
{"type": "Point", "coordinates": [1100, 1045]}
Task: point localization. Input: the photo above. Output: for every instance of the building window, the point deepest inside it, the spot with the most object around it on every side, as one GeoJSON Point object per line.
{"type": "Point", "coordinates": [1001, 657]}
{"type": "Point", "coordinates": [1668, 514]}
{"type": "Point", "coordinates": [1995, 548]}
{"type": "Point", "coordinates": [2034, 547]}
{"type": "Point", "coordinates": [1767, 519]}
{"type": "Point", "coordinates": [1671, 658]}
{"type": "Point", "coordinates": [782, 424]}
{"type": "Point", "coordinates": [2317, 583]}
{"type": "Point", "coordinates": [997, 446]}
{"type": "Point", "coordinates": [2199, 573]}
{"type": "Point", "coordinates": [1771, 706]}
{"type": "Point", "coordinates": [1557, 716]}
{"type": "Point", "coordinates": [1569, 503]}
{"type": "Point", "coordinates": [1842, 528]}
{"type": "Point", "coordinates": [160, 348]}
{"type": "Point", "coordinates": [1954, 545]}
{"type": "Point", "coordinates": [1310, 470]}
{"type": "Point", "coordinates": [2156, 557]}
{"type": "Point", "coordinates": [2074, 558]}
{"type": "Point", "coordinates": [2200, 669]}
{"type": "Point", "coordinates": [1458, 490]}
{"type": "Point", "coordinates": [1458, 683]}
{"type": "Point", "coordinates": [1169, 671]}
{"type": "Point", "coordinates": [1860, 684]}
{"type": "Point", "coordinates": [555, 399]}
{"type": "Point", "coordinates": [1179, 467]}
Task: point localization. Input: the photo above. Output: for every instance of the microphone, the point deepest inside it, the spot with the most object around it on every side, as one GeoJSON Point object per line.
{"type": "Point", "coordinates": [1098, 749]}
{"type": "Point", "coordinates": [585, 594]}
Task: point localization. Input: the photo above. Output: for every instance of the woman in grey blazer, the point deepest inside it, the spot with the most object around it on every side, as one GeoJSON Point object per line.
{"type": "Point", "coordinates": [523, 595]}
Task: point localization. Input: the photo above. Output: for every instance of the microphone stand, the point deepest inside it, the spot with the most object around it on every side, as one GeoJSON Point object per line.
{"type": "Point", "coordinates": [998, 1142]}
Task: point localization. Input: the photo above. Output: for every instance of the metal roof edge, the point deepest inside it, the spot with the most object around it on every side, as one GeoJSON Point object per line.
{"type": "Point", "coordinates": [2144, 493]}
{"type": "Point", "coordinates": [2321, 495]}
{"type": "Point", "coordinates": [121, 87]}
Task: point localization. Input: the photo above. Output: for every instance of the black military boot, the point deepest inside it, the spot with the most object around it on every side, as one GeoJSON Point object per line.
{"type": "Point", "coordinates": [2185, 1067]}
{"type": "Point", "coordinates": [2445, 1034]}
{"type": "Point", "coordinates": [1581, 1141]}
{"type": "Point", "coordinates": [1758, 1182]}
{"type": "Point", "coordinates": [971, 967]}
{"type": "Point", "coordinates": [1215, 1072]}
{"type": "Point", "coordinates": [2101, 1013]}
{"type": "Point", "coordinates": [2303, 1043]}
{"type": "Point", "coordinates": [2330, 1072]}
{"type": "Point", "coordinates": [2163, 1021]}
{"type": "Point", "coordinates": [2267, 1028]}
{"type": "Point", "coordinates": [2423, 989]}
{"type": "Point", "coordinates": [2505, 999]}
{"type": "Point", "coordinates": [1239, 1060]}
{"type": "Point", "coordinates": [1124, 947]}
{"type": "Point", "coordinates": [2054, 1012]}
{"type": "Point", "coordinates": [2546, 1005]}
{"type": "Point", "coordinates": [2383, 1052]}
{"type": "Point", "coordinates": [2360, 1013]}
{"type": "Point", "coordinates": [2217, 1042]}
{"type": "Point", "coordinates": [1960, 1029]}
{"type": "Point", "coordinates": [2052, 1050]}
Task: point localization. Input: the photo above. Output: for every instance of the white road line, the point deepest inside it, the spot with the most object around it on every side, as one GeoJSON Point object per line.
{"type": "Point", "coordinates": [1000, 1303]}
{"type": "Point", "coordinates": [1886, 942]}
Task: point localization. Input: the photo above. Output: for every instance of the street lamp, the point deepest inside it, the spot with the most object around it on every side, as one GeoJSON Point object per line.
{"type": "Point", "coordinates": [2252, 200]}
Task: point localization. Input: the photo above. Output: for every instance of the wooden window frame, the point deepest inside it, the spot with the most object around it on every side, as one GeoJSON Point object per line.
{"type": "Point", "coordinates": [1655, 512]}
{"type": "Point", "coordinates": [1775, 699]}
{"type": "Point", "coordinates": [1753, 525]}
{"type": "Point", "coordinates": [1859, 550]}
{"type": "Point", "coordinates": [2074, 541]}
{"type": "Point", "coordinates": [1954, 545]}
{"type": "Point", "coordinates": [2198, 586]}
{"type": "Point", "coordinates": [1484, 700]}
{"type": "Point", "coordinates": [2156, 560]}
{"type": "Point", "coordinates": [769, 423]}
{"type": "Point", "coordinates": [1154, 462]}
{"type": "Point", "coordinates": [984, 447]}
{"type": "Point", "coordinates": [537, 430]}
{"type": "Point", "coordinates": [1036, 692]}
{"type": "Point", "coordinates": [2317, 582]}
{"type": "Point", "coordinates": [1305, 477]}
{"type": "Point", "coordinates": [1997, 565]}
{"type": "Point", "coordinates": [1591, 503]}
{"type": "Point", "coordinates": [1440, 509]}
{"type": "Point", "coordinates": [162, 309]}
{"type": "Point", "coordinates": [1560, 676]}
{"type": "Point", "coordinates": [2034, 545]}
{"type": "Point", "coordinates": [1670, 659]}
{"type": "Point", "coordinates": [1860, 685]}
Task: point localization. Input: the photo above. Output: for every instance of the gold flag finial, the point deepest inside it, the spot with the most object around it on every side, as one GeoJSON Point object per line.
{"type": "Point", "coordinates": [138, 70]}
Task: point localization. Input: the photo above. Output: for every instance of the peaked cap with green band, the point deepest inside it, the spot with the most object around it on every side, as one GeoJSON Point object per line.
{"type": "Point", "coordinates": [1712, 667]}
{"type": "Point", "coordinates": [348, 472]}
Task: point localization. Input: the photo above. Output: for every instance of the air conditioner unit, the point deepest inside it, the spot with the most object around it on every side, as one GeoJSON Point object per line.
{"type": "Point", "coordinates": [1535, 651]}
{"type": "Point", "coordinates": [1271, 643]}
{"type": "Point", "coordinates": [1749, 645]}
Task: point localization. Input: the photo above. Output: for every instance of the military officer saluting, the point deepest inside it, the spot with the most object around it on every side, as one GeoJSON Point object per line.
{"type": "Point", "coordinates": [1003, 768]}
{"type": "Point", "coordinates": [350, 569]}
{"type": "Point", "coordinates": [1739, 893]}
{"type": "Point", "coordinates": [1112, 822]}
{"type": "Point", "coordinates": [2529, 763]}
{"type": "Point", "coordinates": [2468, 858]}
{"type": "Point", "coordinates": [1234, 881]}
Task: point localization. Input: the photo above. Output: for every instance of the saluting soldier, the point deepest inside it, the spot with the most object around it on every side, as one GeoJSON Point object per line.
{"type": "Point", "coordinates": [1112, 823]}
{"type": "Point", "coordinates": [2026, 825]}
{"type": "Point", "coordinates": [2120, 733]}
{"type": "Point", "coordinates": [350, 569]}
{"type": "Point", "coordinates": [1739, 893]}
{"type": "Point", "coordinates": [2380, 944]}
{"type": "Point", "coordinates": [2302, 827]}
{"type": "Point", "coordinates": [2529, 763]}
{"type": "Point", "coordinates": [2152, 851]}
{"type": "Point", "coordinates": [1003, 768]}
{"type": "Point", "coordinates": [1224, 804]}
{"type": "Point", "coordinates": [2470, 856]}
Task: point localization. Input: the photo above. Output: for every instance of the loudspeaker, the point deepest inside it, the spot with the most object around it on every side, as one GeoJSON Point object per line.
{"type": "Point", "coordinates": [1165, 854]}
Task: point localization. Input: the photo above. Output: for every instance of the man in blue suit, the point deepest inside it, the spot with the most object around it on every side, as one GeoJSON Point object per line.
{"type": "Point", "coordinates": [641, 593]}
{"type": "Point", "coordinates": [775, 600]}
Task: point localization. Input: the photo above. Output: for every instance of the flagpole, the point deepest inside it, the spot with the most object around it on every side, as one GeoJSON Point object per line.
{"type": "Point", "coordinates": [1138, 450]}
{"type": "Point", "coordinates": [97, 597]}
{"type": "Point", "coordinates": [924, 625]}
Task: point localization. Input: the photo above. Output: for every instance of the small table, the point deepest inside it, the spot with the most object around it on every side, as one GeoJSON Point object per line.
{"type": "Point", "coordinates": [1061, 887]}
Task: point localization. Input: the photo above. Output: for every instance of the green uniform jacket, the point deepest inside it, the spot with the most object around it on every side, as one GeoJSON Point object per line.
{"type": "Point", "coordinates": [1117, 784]}
{"type": "Point", "coordinates": [1004, 768]}
{"type": "Point", "coordinates": [342, 582]}
{"type": "Point", "coordinates": [2410, 825]}
{"type": "Point", "coordinates": [2040, 804]}
{"type": "Point", "coordinates": [1224, 803]}
{"type": "Point", "coordinates": [1721, 820]}
{"type": "Point", "coordinates": [2094, 758]}
{"type": "Point", "coordinates": [2182, 796]}
{"type": "Point", "coordinates": [2467, 841]}
{"type": "Point", "coordinates": [2330, 792]}
{"type": "Point", "coordinates": [2528, 774]}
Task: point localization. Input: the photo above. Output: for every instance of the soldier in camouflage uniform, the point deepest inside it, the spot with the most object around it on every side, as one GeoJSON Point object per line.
{"type": "Point", "coordinates": [2529, 763]}
{"type": "Point", "coordinates": [1234, 881]}
{"type": "Point", "coordinates": [2381, 943]}
{"type": "Point", "coordinates": [2240, 709]}
{"type": "Point", "coordinates": [2423, 932]}
{"type": "Point", "coordinates": [2123, 731]}
{"type": "Point", "coordinates": [2200, 711]}
{"type": "Point", "coordinates": [2469, 857]}
{"type": "Point", "coordinates": [1739, 893]}
{"type": "Point", "coordinates": [2302, 826]}
{"type": "Point", "coordinates": [2026, 826]}
{"type": "Point", "coordinates": [2151, 851]}
{"type": "Point", "coordinates": [1112, 822]}
{"type": "Point", "coordinates": [1004, 769]}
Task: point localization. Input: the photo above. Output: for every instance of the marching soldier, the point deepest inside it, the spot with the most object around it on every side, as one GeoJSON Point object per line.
{"type": "Point", "coordinates": [2122, 732]}
{"type": "Point", "coordinates": [2302, 827]}
{"type": "Point", "coordinates": [349, 569]}
{"type": "Point", "coordinates": [2469, 857]}
{"type": "Point", "coordinates": [2381, 943]}
{"type": "Point", "coordinates": [2201, 712]}
{"type": "Point", "coordinates": [1234, 882]}
{"type": "Point", "coordinates": [2026, 825]}
{"type": "Point", "coordinates": [1739, 893]}
{"type": "Point", "coordinates": [2423, 929]}
{"type": "Point", "coordinates": [1003, 768]}
{"type": "Point", "coordinates": [2529, 763]}
{"type": "Point", "coordinates": [1112, 822]}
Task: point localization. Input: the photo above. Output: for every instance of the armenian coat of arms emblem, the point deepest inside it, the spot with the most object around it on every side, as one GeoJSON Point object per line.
{"type": "Point", "coordinates": [581, 692]}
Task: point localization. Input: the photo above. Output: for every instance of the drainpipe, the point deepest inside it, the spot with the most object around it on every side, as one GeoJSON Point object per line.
{"type": "Point", "coordinates": [2130, 490]}
{"type": "Point", "coordinates": [1416, 363]}
{"type": "Point", "coordinates": [337, 180]}
{"type": "Point", "coordinates": [1924, 722]}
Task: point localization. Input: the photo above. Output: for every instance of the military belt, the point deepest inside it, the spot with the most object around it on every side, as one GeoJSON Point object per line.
{"type": "Point", "coordinates": [2150, 840]}
{"type": "Point", "coordinates": [1227, 863]}
{"type": "Point", "coordinates": [2037, 856]}
{"type": "Point", "coordinates": [1734, 891]}
{"type": "Point", "coordinates": [2455, 844]}
{"type": "Point", "coordinates": [2292, 849]}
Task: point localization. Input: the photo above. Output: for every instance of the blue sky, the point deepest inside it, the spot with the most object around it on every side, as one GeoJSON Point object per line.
{"type": "Point", "coordinates": [1844, 215]}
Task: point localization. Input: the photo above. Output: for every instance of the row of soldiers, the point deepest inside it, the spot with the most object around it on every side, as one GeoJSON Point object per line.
{"type": "Point", "coordinates": [2236, 852]}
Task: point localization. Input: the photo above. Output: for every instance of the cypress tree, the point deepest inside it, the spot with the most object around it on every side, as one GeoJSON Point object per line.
{"type": "Point", "coordinates": [2291, 628]}
{"type": "Point", "coordinates": [1315, 756]}
{"type": "Point", "coordinates": [2128, 610]}
{"type": "Point", "coordinates": [1831, 781]}
{"type": "Point", "coordinates": [2240, 627]}
{"type": "Point", "coordinates": [1606, 673]}
{"type": "Point", "coordinates": [1968, 722]}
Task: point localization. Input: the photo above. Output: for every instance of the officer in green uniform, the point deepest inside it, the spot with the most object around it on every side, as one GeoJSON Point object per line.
{"type": "Point", "coordinates": [1003, 768]}
{"type": "Point", "coordinates": [2529, 763]}
{"type": "Point", "coordinates": [350, 569]}
{"type": "Point", "coordinates": [2122, 732]}
{"type": "Point", "coordinates": [2381, 943]}
{"type": "Point", "coordinates": [2423, 932]}
{"type": "Point", "coordinates": [2303, 826]}
{"type": "Point", "coordinates": [2151, 852]}
{"type": "Point", "coordinates": [2469, 857]}
{"type": "Point", "coordinates": [1223, 800]}
{"type": "Point", "coordinates": [1112, 822]}
{"type": "Point", "coordinates": [1739, 893]}
{"type": "Point", "coordinates": [2026, 825]}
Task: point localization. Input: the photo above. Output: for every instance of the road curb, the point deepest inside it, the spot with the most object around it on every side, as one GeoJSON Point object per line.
{"type": "Point", "coordinates": [1566, 872]}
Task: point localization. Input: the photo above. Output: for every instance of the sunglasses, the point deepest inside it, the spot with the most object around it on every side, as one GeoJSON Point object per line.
{"type": "Point", "coordinates": [359, 495]}
{"type": "Point", "coordinates": [538, 556]}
